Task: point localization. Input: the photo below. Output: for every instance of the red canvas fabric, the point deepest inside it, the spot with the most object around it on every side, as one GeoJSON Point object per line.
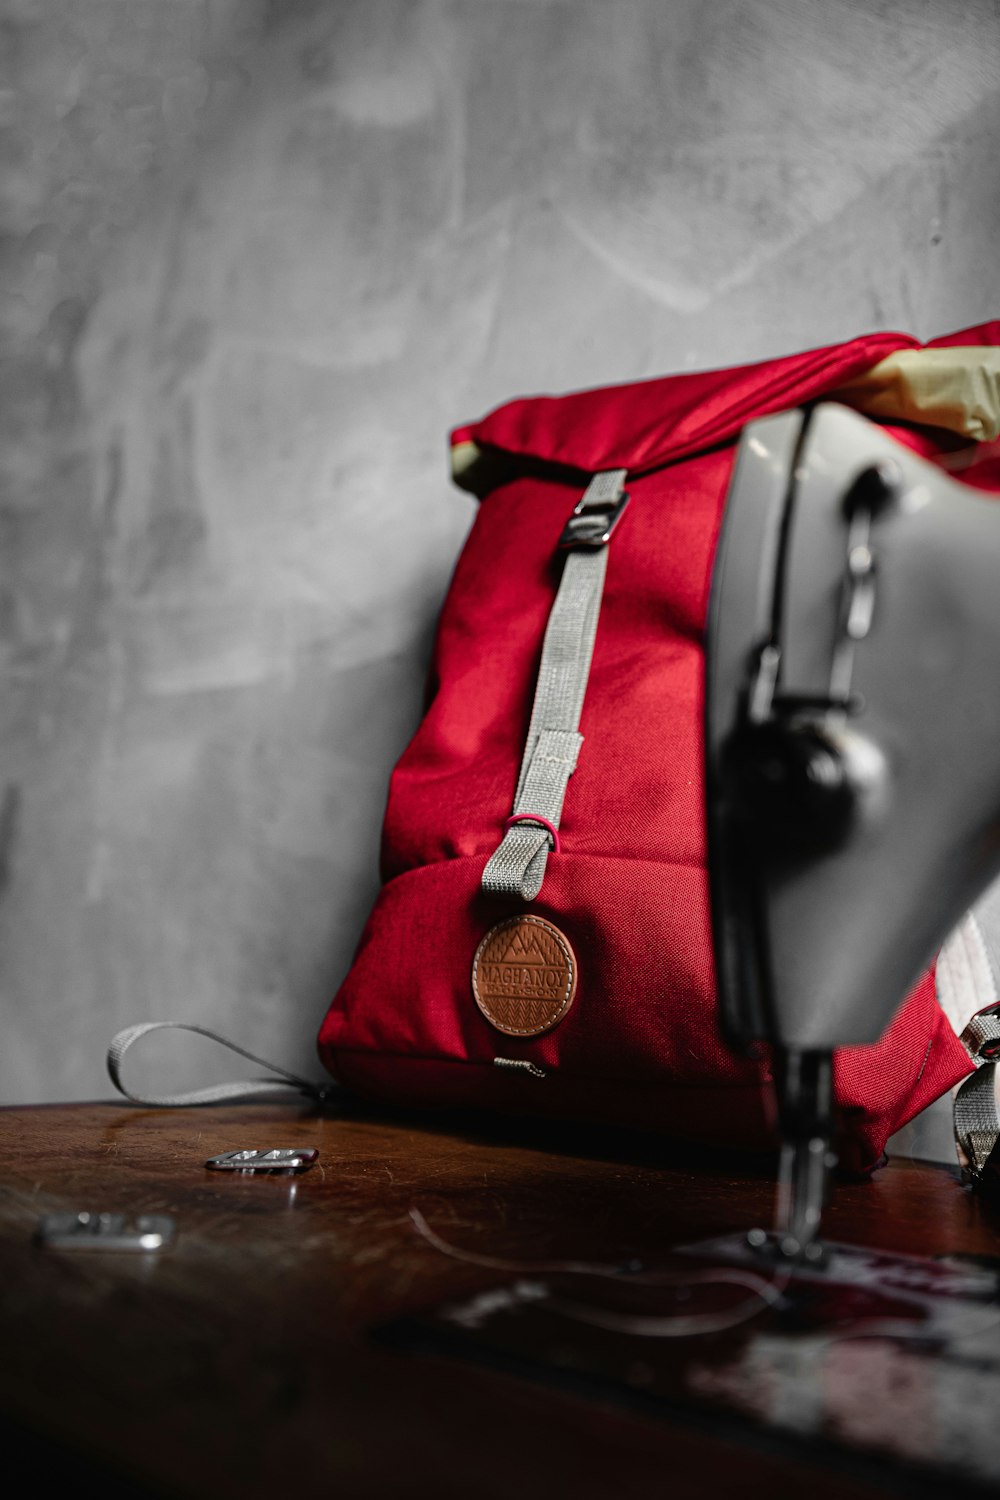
{"type": "Point", "coordinates": [628, 888]}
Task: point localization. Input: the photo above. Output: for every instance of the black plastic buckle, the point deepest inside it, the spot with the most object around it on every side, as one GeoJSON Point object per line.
{"type": "Point", "coordinates": [592, 522]}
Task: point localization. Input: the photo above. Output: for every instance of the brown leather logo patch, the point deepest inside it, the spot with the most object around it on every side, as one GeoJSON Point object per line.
{"type": "Point", "coordinates": [524, 976]}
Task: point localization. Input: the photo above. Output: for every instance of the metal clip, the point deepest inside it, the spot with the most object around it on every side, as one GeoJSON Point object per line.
{"type": "Point", "coordinates": [981, 1037]}
{"type": "Point", "coordinates": [859, 580]}
{"type": "Point", "coordinates": [104, 1231]}
{"type": "Point", "coordinates": [765, 681]}
{"type": "Point", "coordinates": [277, 1159]}
{"type": "Point", "coordinates": [593, 520]}
{"type": "Point", "coordinates": [518, 1065]}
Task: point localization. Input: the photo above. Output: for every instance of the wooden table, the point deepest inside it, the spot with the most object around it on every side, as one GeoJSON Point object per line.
{"type": "Point", "coordinates": [241, 1361]}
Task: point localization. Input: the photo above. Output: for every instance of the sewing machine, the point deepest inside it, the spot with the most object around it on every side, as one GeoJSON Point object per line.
{"type": "Point", "coordinates": [853, 779]}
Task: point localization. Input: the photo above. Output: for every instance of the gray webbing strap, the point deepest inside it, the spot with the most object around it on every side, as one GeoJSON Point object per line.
{"type": "Point", "coordinates": [517, 867]}
{"type": "Point", "coordinates": [977, 1124]}
{"type": "Point", "coordinates": [220, 1093]}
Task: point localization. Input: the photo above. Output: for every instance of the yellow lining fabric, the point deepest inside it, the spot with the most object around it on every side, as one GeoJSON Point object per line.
{"type": "Point", "coordinates": [954, 388]}
{"type": "Point", "coordinates": [464, 456]}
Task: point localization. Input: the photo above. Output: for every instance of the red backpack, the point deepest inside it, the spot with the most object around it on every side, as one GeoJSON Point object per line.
{"type": "Point", "coordinates": [579, 982]}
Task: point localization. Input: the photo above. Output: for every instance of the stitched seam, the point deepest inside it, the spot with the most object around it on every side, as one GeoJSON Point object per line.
{"type": "Point", "coordinates": [483, 855]}
{"type": "Point", "coordinates": [553, 1070]}
{"type": "Point", "coordinates": [924, 1063]}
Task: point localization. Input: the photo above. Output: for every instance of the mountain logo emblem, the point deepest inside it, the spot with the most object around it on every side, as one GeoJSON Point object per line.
{"type": "Point", "coordinates": [524, 976]}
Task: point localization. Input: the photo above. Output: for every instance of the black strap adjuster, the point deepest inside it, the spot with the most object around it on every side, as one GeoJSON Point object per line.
{"type": "Point", "coordinates": [593, 520]}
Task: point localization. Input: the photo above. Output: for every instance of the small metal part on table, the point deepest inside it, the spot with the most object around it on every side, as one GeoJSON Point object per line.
{"type": "Point", "coordinates": [84, 1230]}
{"type": "Point", "coordinates": [277, 1159]}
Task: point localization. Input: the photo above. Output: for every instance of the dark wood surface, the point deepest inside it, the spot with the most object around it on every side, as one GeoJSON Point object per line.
{"type": "Point", "coordinates": [241, 1362]}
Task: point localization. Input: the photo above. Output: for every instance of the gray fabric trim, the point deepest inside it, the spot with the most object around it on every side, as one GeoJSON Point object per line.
{"type": "Point", "coordinates": [987, 914]}
{"type": "Point", "coordinates": [517, 867]}
{"type": "Point", "coordinates": [221, 1093]}
{"type": "Point", "coordinates": [965, 979]}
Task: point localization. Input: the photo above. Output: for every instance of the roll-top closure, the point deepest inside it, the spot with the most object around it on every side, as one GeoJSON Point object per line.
{"type": "Point", "coordinates": [648, 424]}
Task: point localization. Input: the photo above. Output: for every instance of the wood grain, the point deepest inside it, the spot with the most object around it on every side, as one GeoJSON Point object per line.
{"type": "Point", "coordinates": [240, 1362]}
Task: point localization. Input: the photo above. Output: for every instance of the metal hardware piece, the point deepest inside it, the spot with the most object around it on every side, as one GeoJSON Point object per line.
{"type": "Point", "coordinates": [518, 1065]}
{"type": "Point", "coordinates": [84, 1230]}
{"type": "Point", "coordinates": [981, 1037]}
{"type": "Point", "coordinates": [764, 684]}
{"type": "Point", "coordinates": [277, 1159]}
{"type": "Point", "coordinates": [593, 520]}
{"type": "Point", "coordinates": [858, 586]}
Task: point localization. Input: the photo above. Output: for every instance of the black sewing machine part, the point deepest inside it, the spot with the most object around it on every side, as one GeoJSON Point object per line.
{"type": "Point", "coordinates": [853, 774]}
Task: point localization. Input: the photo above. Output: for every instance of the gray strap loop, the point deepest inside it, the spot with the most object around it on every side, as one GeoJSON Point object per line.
{"type": "Point", "coordinates": [221, 1093]}
{"type": "Point", "coordinates": [517, 867]}
{"type": "Point", "coordinates": [976, 1124]}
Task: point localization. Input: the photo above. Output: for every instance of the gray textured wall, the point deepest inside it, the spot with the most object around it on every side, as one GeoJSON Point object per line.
{"type": "Point", "coordinates": [258, 258]}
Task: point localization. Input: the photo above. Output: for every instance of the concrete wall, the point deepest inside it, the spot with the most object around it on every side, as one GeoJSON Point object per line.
{"type": "Point", "coordinates": [261, 257]}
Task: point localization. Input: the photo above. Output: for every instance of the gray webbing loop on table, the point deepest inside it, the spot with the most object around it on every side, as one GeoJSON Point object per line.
{"type": "Point", "coordinates": [517, 867]}
{"type": "Point", "coordinates": [977, 1124]}
{"type": "Point", "coordinates": [220, 1093]}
